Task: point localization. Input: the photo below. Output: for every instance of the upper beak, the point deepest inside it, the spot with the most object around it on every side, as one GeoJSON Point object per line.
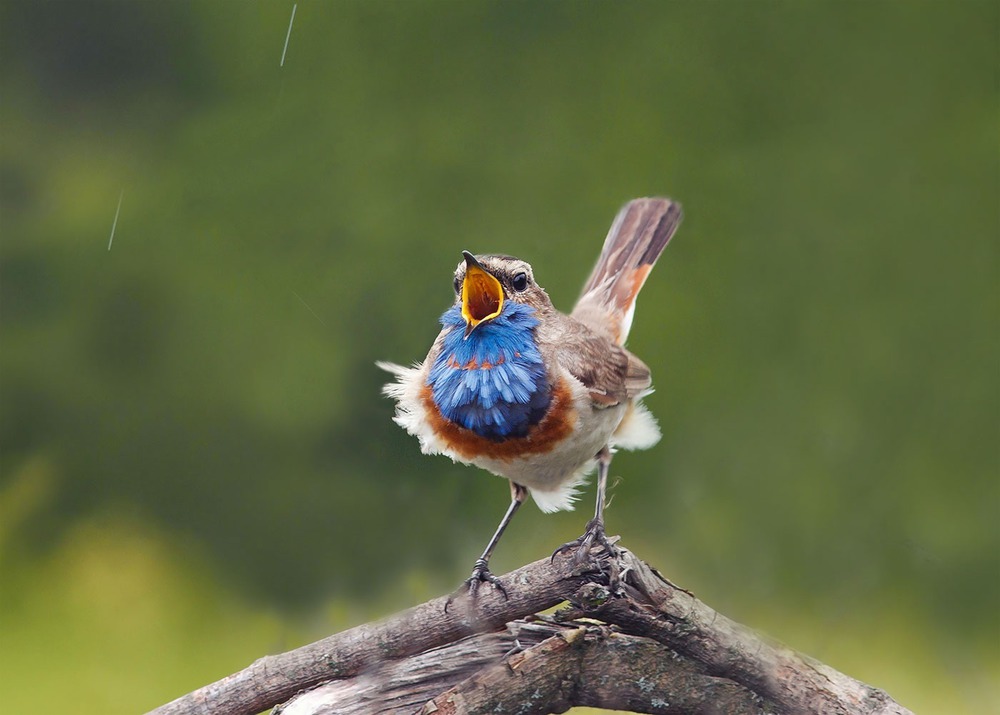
{"type": "Point", "coordinates": [482, 294]}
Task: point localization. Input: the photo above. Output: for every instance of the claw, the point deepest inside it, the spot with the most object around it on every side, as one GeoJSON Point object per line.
{"type": "Point", "coordinates": [582, 545]}
{"type": "Point", "coordinates": [480, 573]}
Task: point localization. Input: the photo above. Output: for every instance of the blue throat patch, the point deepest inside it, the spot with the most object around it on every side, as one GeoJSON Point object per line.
{"type": "Point", "coordinates": [494, 381]}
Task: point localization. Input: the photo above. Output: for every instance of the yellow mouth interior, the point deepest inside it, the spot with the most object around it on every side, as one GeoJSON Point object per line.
{"type": "Point", "coordinates": [482, 296]}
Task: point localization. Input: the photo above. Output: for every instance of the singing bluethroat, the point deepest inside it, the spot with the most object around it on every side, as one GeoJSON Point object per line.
{"type": "Point", "coordinates": [531, 394]}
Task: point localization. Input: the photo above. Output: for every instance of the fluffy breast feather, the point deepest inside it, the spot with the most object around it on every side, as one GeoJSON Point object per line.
{"type": "Point", "coordinates": [492, 381]}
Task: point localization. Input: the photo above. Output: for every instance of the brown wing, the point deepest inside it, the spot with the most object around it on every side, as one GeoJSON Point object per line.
{"type": "Point", "coordinates": [639, 234]}
{"type": "Point", "coordinates": [611, 373]}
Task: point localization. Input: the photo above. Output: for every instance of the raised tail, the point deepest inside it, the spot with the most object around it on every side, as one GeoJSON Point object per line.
{"type": "Point", "coordinates": [638, 236]}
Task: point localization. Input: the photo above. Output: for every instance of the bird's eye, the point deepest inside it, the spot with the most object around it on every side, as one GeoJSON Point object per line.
{"type": "Point", "coordinates": [458, 286]}
{"type": "Point", "coordinates": [520, 282]}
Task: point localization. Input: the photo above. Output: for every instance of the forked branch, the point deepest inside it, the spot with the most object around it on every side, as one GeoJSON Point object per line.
{"type": "Point", "coordinates": [628, 640]}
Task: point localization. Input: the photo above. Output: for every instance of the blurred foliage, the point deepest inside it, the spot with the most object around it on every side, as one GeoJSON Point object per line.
{"type": "Point", "coordinates": [197, 466]}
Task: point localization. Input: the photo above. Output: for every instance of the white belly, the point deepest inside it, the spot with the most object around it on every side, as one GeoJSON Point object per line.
{"type": "Point", "coordinates": [552, 476]}
{"type": "Point", "coordinates": [564, 467]}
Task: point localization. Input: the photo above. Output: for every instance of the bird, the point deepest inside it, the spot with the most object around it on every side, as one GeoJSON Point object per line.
{"type": "Point", "coordinates": [534, 395]}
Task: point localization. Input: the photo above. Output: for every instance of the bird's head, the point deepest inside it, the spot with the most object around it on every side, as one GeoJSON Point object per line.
{"type": "Point", "coordinates": [483, 283]}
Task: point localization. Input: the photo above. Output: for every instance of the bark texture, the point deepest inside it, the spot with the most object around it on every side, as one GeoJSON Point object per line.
{"type": "Point", "coordinates": [627, 639]}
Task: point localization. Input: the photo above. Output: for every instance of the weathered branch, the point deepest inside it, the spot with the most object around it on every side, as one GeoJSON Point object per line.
{"type": "Point", "coordinates": [594, 666]}
{"type": "Point", "coordinates": [795, 682]}
{"type": "Point", "coordinates": [275, 678]}
{"type": "Point", "coordinates": [643, 645]}
{"type": "Point", "coordinates": [555, 666]}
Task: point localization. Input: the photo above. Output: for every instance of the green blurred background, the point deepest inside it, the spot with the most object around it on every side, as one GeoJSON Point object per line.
{"type": "Point", "coordinates": [197, 466]}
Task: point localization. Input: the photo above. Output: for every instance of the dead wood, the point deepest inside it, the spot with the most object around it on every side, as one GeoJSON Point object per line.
{"type": "Point", "coordinates": [627, 640]}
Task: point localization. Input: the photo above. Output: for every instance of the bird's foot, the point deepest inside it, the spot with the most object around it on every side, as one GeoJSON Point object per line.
{"type": "Point", "coordinates": [593, 534]}
{"type": "Point", "coordinates": [480, 573]}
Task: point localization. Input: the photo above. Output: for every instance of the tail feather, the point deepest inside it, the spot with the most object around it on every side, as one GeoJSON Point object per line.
{"type": "Point", "coordinates": [637, 237]}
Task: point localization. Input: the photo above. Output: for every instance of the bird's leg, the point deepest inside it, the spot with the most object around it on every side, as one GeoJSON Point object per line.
{"type": "Point", "coordinates": [481, 571]}
{"type": "Point", "coordinates": [595, 527]}
{"type": "Point", "coordinates": [596, 524]}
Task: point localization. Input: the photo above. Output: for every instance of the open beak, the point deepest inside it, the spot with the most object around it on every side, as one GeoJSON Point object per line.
{"type": "Point", "coordinates": [482, 294]}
